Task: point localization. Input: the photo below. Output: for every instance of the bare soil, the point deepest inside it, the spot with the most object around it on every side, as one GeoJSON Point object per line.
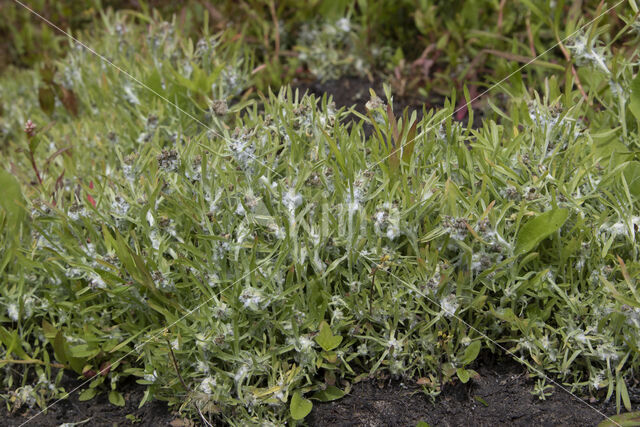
{"type": "Point", "coordinates": [500, 396]}
{"type": "Point", "coordinates": [350, 91]}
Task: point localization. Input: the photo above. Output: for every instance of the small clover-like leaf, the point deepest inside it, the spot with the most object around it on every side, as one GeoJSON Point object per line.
{"type": "Point", "coordinates": [326, 339]}
{"type": "Point", "coordinates": [88, 394]}
{"type": "Point", "coordinates": [115, 397]}
{"type": "Point", "coordinates": [463, 375]}
{"type": "Point", "coordinates": [471, 353]}
{"type": "Point", "coordinates": [299, 407]}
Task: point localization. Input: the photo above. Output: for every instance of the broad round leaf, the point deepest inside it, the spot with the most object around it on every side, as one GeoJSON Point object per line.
{"type": "Point", "coordinates": [300, 407]}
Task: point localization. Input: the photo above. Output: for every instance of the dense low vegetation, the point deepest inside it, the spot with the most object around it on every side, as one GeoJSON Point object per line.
{"type": "Point", "coordinates": [244, 250]}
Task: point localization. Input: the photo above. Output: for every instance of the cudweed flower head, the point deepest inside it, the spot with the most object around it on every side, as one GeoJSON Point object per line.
{"type": "Point", "coordinates": [511, 193]}
{"type": "Point", "coordinates": [394, 343]}
{"type": "Point", "coordinates": [291, 200]}
{"type": "Point", "coordinates": [162, 281]}
{"type": "Point", "coordinates": [449, 305]}
{"type": "Point", "coordinates": [397, 367]}
{"type": "Point", "coordinates": [12, 312]}
{"type": "Point", "coordinates": [120, 206]}
{"type": "Point", "coordinates": [205, 46]}
{"type": "Point", "coordinates": [252, 298]}
{"type": "Point", "coordinates": [343, 24]}
{"type": "Point", "coordinates": [607, 352]}
{"type": "Point", "coordinates": [585, 52]}
{"type": "Point", "coordinates": [386, 221]}
{"type": "Point", "coordinates": [242, 149]}
{"type": "Point", "coordinates": [25, 394]}
{"type": "Point", "coordinates": [480, 261]}
{"type": "Point", "coordinates": [202, 366]}
{"type": "Point", "coordinates": [208, 385]}
{"type": "Point", "coordinates": [362, 349]}
{"type": "Point", "coordinates": [96, 281]}
{"type": "Point", "coordinates": [168, 160]}
{"type": "Point", "coordinates": [152, 377]}
{"type": "Point", "coordinates": [375, 105]}
{"type": "Point", "coordinates": [76, 211]}
{"type": "Point", "coordinates": [152, 122]}
{"type": "Point", "coordinates": [597, 380]}
{"type": "Point", "coordinates": [457, 228]}
{"type": "Point", "coordinates": [220, 107]}
{"type": "Point", "coordinates": [130, 94]}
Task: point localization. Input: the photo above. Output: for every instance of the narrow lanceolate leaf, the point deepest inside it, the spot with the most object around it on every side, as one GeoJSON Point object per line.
{"type": "Point", "coordinates": [300, 407]}
{"type": "Point", "coordinates": [634, 102]}
{"type": "Point", "coordinates": [632, 175]}
{"type": "Point", "coordinates": [539, 228]}
{"type": "Point", "coordinates": [629, 419]}
{"type": "Point", "coordinates": [11, 201]}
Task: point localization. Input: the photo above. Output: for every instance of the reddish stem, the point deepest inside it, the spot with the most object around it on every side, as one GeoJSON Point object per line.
{"type": "Point", "coordinates": [34, 166]}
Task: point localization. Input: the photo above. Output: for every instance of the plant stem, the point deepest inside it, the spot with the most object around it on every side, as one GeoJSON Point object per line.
{"type": "Point", "coordinates": [35, 167]}
{"type": "Point", "coordinates": [175, 365]}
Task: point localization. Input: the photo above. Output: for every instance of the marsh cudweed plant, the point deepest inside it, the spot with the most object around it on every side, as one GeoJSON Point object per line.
{"type": "Point", "coordinates": [273, 250]}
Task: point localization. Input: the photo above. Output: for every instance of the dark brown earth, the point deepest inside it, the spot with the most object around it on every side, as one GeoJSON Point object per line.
{"type": "Point", "coordinates": [501, 396]}
{"type": "Point", "coordinates": [354, 92]}
{"type": "Point", "coordinates": [349, 91]}
{"type": "Point", "coordinates": [95, 412]}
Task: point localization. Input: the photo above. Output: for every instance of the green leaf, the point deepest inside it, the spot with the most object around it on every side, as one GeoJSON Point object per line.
{"type": "Point", "coordinates": [47, 99]}
{"type": "Point", "coordinates": [11, 201]}
{"type": "Point", "coordinates": [300, 407]}
{"type": "Point", "coordinates": [145, 397]}
{"type": "Point", "coordinates": [481, 400]}
{"type": "Point", "coordinates": [12, 343]}
{"type": "Point", "coordinates": [471, 353]}
{"type": "Point", "coordinates": [630, 419]}
{"type": "Point", "coordinates": [88, 394]}
{"type": "Point", "coordinates": [49, 330]}
{"type": "Point", "coordinates": [83, 351]}
{"type": "Point", "coordinates": [539, 228]}
{"type": "Point", "coordinates": [463, 375]}
{"type": "Point", "coordinates": [326, 339]}
{"type": "Point", "coordinates": [407, 149]}
{"type": "Point", "coordinates": [58, 348]}
{"type": "Point", "coordinates": [634, 101]}
{"type": "Point", "coordinates": [116, 398]}
{"type": "Point", "coordinates": [422, 424]}
{"type": "Point", "coordinates": [336, 152]}
{"type": "Point", "coordinates": [330, 393]}
{"type": "Point", "coordinates": [632, 176]}
{"type": "Point", "coordinates": [622, 393]}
